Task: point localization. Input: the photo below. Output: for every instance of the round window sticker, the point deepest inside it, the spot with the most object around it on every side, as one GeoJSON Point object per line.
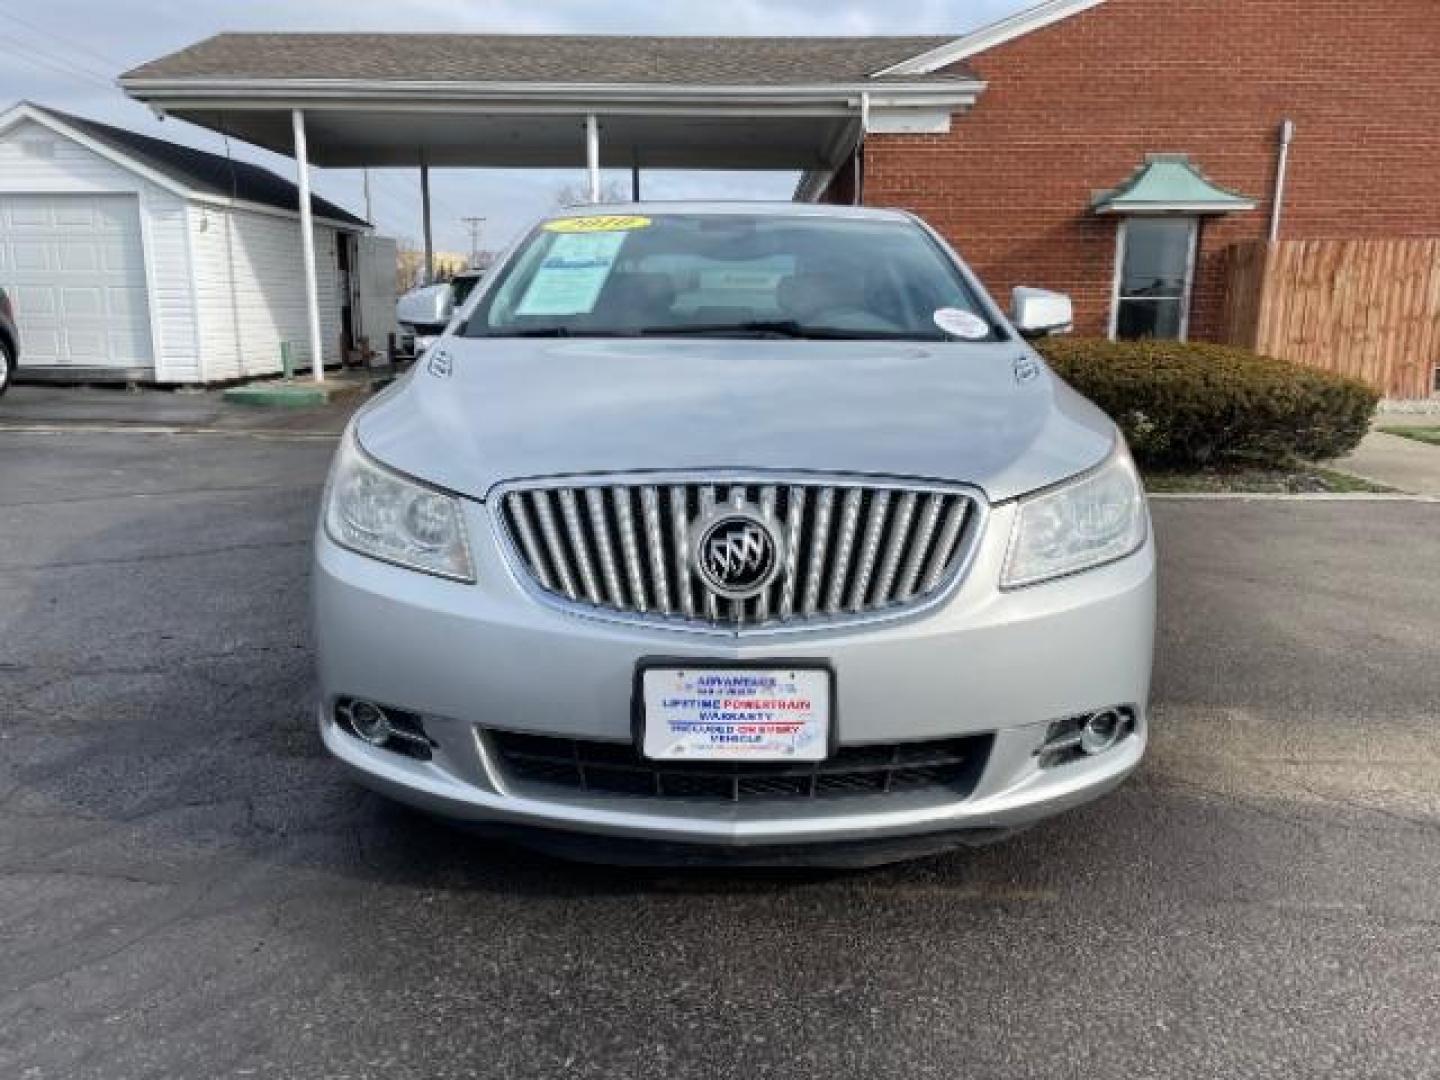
{"type": "Point", "coordinates": [965, 325]}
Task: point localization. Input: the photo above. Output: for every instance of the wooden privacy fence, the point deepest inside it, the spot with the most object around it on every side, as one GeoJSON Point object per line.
{"type": "Point", "coordinates": [1369, 309]}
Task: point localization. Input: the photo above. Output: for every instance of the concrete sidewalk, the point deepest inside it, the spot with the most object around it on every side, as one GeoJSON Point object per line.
{"type": "Point", "coordinates": [1406, 465]}
{"type": "Point", "coordinates": [39, 406]}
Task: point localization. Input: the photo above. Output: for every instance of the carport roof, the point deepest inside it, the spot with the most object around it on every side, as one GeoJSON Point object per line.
{"type": "Point", "coordinates": [494, 100]}
{"type": "Point", "coordinates": [512, 58]}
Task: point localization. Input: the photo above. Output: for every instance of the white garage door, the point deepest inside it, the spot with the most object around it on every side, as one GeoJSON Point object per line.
{"type": "Point", "coordinates": [76, 270]}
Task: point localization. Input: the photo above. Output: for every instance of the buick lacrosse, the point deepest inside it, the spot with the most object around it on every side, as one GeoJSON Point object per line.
{"type": "Point", "coordinates": [736, 533]}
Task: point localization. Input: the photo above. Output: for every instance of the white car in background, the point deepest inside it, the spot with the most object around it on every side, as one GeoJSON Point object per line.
{"type": "Point", "coordinates": [424, 313]}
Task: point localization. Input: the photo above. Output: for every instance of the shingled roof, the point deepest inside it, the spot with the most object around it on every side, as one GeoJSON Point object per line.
{"type": "Point", "coordinates": [200, 171]}
{"type": "Point", "coordinates": [548, 59]}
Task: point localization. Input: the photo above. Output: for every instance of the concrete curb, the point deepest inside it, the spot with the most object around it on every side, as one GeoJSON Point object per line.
{"type": "Point", "coordinates": [259, 433]}
{"type": "Point", "coordinates": [1276, 496]}
{"type": "Point", "coordinates": [152, 429]}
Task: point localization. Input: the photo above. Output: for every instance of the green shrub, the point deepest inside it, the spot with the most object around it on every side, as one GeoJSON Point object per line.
{"type": "Point", "coordinates": [1188, 405]}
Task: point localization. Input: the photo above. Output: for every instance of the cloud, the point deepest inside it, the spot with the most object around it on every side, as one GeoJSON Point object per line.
{"type": "Point", "coordinates": [66, 53]}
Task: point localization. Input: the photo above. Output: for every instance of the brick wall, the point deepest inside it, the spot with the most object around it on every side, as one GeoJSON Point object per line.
{"type": "Point", "coordinates": [1076, 107]}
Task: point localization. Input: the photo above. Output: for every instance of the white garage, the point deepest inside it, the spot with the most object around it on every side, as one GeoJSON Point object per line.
{"type": "Point", "coordinates": [137, 259]}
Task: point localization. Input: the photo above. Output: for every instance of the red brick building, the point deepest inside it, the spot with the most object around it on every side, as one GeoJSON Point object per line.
{"type": "Point", "coordinates": [1127, 152]}
{"type": "Point", "coordinates": [1080, 93]}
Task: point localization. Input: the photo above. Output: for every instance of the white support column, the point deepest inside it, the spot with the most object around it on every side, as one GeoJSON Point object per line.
{"type": "Point", "coordinates": [592, 155]}
{"type": "Point", "coordinates": [307, 245]}
{"type": "Point", "coordinates": [425, 213]}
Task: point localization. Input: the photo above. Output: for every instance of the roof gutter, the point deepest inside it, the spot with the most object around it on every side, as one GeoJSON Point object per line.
{"type": "Point", "coordinates": [350, 92]}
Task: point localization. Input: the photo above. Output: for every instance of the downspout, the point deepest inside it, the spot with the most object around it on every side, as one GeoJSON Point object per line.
{"type": "Point", "coordinates": [1277, 204]}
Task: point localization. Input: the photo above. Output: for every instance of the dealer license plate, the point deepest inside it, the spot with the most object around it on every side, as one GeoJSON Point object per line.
{"type": "Point", "coordinates": [735, 714]}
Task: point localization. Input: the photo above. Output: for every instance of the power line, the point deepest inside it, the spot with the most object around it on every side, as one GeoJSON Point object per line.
{"type": "Point", "coordinates": [112, 65]}
{"type": "Point", "coordinates": [23, 51]}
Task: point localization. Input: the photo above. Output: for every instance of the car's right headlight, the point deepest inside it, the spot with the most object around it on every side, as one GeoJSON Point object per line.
{"type": "Point", "coordinates": [1088, 522]}
{"type": "Point", "coordinates": [377, 512]}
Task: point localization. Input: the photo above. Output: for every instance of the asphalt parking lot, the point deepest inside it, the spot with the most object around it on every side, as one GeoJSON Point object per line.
{"type": "Point", "coordinates": [189, 888]}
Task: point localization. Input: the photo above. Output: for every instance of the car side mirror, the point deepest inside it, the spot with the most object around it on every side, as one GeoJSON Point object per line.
{"type": "Point", "coordinates": [431, 305]}
{"type": "Point", "coordinates": [1040, 312]}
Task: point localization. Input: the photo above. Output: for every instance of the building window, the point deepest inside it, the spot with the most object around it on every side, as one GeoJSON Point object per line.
{"type": "Point", "coordinates": [1154, 273]}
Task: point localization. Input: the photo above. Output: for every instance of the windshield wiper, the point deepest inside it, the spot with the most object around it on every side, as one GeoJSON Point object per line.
{"type": "Point", "coordinates": [782, 328]}
{"type": "Point", "coordinates": [552, 332]}
{"type": "Point", "coordinates": [755, 328]}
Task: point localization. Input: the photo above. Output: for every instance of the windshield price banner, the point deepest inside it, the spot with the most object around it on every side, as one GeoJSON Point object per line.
{"type": "Point", "coordinates": [736, 714]}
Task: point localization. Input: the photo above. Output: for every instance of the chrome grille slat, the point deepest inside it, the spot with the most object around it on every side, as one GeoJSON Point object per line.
{"type": "Point", "coordinates": [630, 547]}
{"type": "Point", "coordinates": [554, 546]}
{"type": "Point", "coordinates": [848, 549]}
{"type": "Point", "coordinates": [919, 545]}
{"type": "Point", "coordinates": [707, 507]}
{"type": "Point", "coordinates": [894, 550]}
{"type": "Point", "coordinates": [655, 544]}
{"type": "Point", "coordinates": [520, 516]}
{"type": "Point", "coordinates": [869, 550]}
{"type": "Point", "coordinates": [600, 525]}
{"type": "Point", "coordinates": [789, 574]}
{"type": "Point", "coordinates": [819, 538]}
{"type": "Point", "coordinates": [945, 546]}
{"type": "Point", "coordinates": [844, 549]}
{"type": "Point", "coordinates": [680, 533]}
{"type": "Point", "coordinates": [570, 511]}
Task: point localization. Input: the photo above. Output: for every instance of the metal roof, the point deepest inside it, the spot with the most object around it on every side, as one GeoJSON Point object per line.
{"type": "Point", "coordinates": [1170, 183]}
{"type": "Point", "coordinates": [553, 59]}
{"type": "Point", "coordinates": [200, 171]}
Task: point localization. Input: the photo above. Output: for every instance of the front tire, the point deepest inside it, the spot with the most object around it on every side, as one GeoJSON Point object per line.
{"type": "Point", "coordinates": [7, 367]}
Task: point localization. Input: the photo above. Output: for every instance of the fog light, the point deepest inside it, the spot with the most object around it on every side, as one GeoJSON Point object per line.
{"type": "Point", "coordinates": [1101, 732]}
{"type": "Point", "coordinates": [370, 723]}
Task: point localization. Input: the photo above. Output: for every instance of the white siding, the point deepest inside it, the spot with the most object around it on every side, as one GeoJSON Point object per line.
{"type": "Point", "coordinates": [250, 291]}
{"type": "Point", "coordinates": [35, 160]}
{"type": "Point", "coordinates": [172, 303]}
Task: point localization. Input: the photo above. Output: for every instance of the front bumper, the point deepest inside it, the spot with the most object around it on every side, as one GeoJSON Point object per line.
{"type": "Point", "coordinates": [488, 656]}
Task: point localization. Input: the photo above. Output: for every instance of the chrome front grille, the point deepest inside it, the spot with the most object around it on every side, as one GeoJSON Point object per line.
{"type": "Point", "coordinates": [846, 549]}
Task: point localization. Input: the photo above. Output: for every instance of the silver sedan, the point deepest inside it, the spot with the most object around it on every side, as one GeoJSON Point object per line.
{"type": "Point", "coordinates": [736, 533]}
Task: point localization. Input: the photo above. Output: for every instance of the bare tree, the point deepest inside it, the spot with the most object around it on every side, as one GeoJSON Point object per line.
{"type": "Point", "coordinates": [578, 193]}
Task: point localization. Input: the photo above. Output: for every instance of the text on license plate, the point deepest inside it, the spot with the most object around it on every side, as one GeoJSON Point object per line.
{"type": "Point", "coordinates": [747, 714]}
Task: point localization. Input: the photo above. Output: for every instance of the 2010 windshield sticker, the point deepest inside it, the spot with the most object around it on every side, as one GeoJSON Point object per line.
{"type": "Point", "coordinates": [965, 325]}
{"type": "Point", "coordinates": [603, 223]}
{"type": "Point", "coordinates": [575, 269]}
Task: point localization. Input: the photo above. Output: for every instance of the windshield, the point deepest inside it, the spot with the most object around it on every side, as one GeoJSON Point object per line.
{"type": "Point", "coordinates": [732, 275]}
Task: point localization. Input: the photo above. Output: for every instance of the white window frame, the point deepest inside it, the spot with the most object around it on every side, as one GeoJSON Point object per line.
{"type": "Point", "coordinates": [1187, 294]}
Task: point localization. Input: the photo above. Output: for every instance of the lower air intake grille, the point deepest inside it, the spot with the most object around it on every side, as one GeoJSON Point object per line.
{"type": "Point", "coordinates": [951, 766]}
{"type": "Point", "coordinates": [835, 550]}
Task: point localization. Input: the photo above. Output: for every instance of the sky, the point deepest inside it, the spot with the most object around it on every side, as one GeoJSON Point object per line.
{"type": "Point", "coordinates": [67, 53]}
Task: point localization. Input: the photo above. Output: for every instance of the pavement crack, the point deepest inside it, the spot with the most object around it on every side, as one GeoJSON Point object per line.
{"type": "Point", "coordinates": [159, 556]}
{"type": "Point", "coordinates": [163, 493]}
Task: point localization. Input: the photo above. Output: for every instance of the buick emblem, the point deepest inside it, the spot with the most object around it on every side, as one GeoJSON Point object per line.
{"type": "Point", "coordinates": [737, 552]}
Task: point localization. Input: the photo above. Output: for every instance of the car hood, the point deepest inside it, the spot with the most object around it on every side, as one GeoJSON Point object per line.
{"type": "Point", "coordinates": [480, 412]}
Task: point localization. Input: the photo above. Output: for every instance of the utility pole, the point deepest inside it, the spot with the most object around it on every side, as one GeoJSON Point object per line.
{"type": "Point", "coordinates": [369, 214]}
{"type": "Point", "coordinates": [475, 224]}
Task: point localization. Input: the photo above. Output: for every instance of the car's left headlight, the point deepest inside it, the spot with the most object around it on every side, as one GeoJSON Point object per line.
{"type": "Point", "coordinates": [376, 512]}
{"type": "Point", "coordinates": [1088, 522]}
